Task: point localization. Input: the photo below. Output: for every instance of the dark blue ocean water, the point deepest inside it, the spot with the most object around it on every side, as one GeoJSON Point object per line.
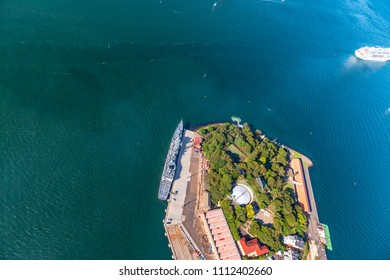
{"type": "Point", "coordinates": [91, 91]}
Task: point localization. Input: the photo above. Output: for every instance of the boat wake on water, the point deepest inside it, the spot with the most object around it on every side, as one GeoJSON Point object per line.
{"type": "Point", "coordinates": [270, 1]}
{"type": "Point", "coordinates": [353, 63]}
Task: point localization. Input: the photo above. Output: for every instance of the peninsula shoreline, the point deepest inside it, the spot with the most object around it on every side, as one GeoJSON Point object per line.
{"type": "Point", "coordinates": [183, 241]}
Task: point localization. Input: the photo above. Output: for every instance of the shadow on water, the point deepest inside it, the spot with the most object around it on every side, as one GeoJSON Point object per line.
{"type": "Point", "coordinates": [210, 123]}
{"type": "Point", "coordinates": [187, 125]}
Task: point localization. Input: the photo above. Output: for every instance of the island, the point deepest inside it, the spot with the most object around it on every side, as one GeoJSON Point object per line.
{"type": "Point", "coordinates": [238, 195]}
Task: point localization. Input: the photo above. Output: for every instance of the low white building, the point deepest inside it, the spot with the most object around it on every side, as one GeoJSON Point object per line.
{"type": "Point", "coordinates": [242, 195]}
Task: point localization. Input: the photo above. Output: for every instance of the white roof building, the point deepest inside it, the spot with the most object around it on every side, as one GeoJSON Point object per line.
{"type": "Point", "coordinates": [242, 194]}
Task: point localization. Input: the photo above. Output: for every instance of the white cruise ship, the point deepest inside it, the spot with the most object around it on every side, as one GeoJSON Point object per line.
{"type": "Point", "coordinates": [373, 53]}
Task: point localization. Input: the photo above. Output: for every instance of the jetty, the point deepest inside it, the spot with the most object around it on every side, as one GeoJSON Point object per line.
{"type": "Point", "coordinates": [184, 229]}
{"type": "Point", "coordinates": [300, 165]}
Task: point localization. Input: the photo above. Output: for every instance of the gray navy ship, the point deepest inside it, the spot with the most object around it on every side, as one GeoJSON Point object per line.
{"type": "Point", "coordinates": [170, 163]}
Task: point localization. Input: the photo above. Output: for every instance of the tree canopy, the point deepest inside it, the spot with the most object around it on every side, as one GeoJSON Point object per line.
{"type": "Point", "coordinates": [260, 160]}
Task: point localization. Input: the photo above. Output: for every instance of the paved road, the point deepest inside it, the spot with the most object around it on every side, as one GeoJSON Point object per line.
{"type": "Point", "coordinates": [191, 222]}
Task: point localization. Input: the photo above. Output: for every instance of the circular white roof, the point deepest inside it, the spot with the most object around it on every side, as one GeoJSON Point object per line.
{"type": "Point", "coordinates": [242, 194]}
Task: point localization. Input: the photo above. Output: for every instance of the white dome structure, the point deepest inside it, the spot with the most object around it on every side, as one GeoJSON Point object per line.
{"type": "Point", "coordinates": [242, 194]}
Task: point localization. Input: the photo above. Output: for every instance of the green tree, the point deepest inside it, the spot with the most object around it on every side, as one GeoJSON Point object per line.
{"type": "Point", "coordinates": [278, 223]}
{"type": "Point", "coordinates": [276, 205]}
{"type": "Point", "coordinates": [262, 170]}
{"type": "Point", "coordinates": [263, 200]}
{"type": "Point", "coordinates": [203, 131]}
{"type": "Point", "coordinates": [265, 158]}
{"type": "Point", "coordinates": [240, 213]}
{"type": "Point", "coordinates": [247, 148]}
{"type": "Point", "coordinates": [230, 218]}
{"type": "Point", "coordinates": [302, 219]}
{"type": "Point", "coordinates": [252, 156]}
{"type": "Point", "coordinates": [282, 159]}
{"type": "Point", "coordinates": [281, 171]}
{"type": "Point", "coordinates": [275, 167]}
{"type": "Point", "coordinates": [279, 182]}
{"type": "Point", "coordinates": [242, 166]}
{"type": "Point", "coordinates": [250, 213]}
{"type": "Point", "coordinates": [240, 142]}
{"type": "Point", "coordinates": [291, 221]}
{"type": "Point", "coordinates": [226, 182]}
{"type": "Point", "coordinates": [271, 182]}
{"type": "Point", "coordinates": [251, 141]}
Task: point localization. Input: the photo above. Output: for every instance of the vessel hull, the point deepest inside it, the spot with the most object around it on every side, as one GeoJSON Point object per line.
{"type": "Point", "coordinates": [169, 170]}
{"type": "Point", "coordinates": [373, 54]}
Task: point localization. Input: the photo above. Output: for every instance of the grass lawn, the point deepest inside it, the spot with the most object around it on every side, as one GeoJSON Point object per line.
{"type": "Point", "coordinates": [234, 150]}
{"type": "Point", "coordinates": [295, 154]}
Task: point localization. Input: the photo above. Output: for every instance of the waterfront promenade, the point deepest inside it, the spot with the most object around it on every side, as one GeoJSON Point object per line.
{"type": "Point", "coordinates": [314, 240]}
{"type": "Point", "coordinates": [191, 211]}
{"type": "Point", "coordinates": [181, 245]}
{"type": "Point", "coordinates": [312, 230]}
{"type": "Point", "coordinates": [183, 228]}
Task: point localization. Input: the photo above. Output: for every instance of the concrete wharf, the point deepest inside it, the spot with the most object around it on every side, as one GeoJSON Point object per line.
{"type": "Point", "coordinates": [313, 220]}
{"type": "Point", "coordinates": [182, 224]}
{"type": "Point", "coordinates": [315, 244]}
{"type": "Point", "coordinates": [314, 239]}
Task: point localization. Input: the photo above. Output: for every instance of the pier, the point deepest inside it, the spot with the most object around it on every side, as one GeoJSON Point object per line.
{"type": "Point", "coordinates": [182, 222]}
{"type": "Point", "coordinates": [315, 243]}
{"type": "Point", "coordinates": [313, 219]}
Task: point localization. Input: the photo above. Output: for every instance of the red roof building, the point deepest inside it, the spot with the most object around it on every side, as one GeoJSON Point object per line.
{"type": "Point", "coordinates": [197, 144]}
{"type": "Point", "coordinates": [300, 184]}
{"type": "Point", "coordinates": [251, 248]}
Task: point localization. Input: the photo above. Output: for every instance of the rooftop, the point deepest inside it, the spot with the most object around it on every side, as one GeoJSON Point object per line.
{"type": "Point", "coordinates": [294, 241]}
{"type": "Point", "coordinates": [242, 194]}
{"type": "Point", "coordinates": [252, 247]}
{"type": "Point", "coordinates": [221, 235]}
